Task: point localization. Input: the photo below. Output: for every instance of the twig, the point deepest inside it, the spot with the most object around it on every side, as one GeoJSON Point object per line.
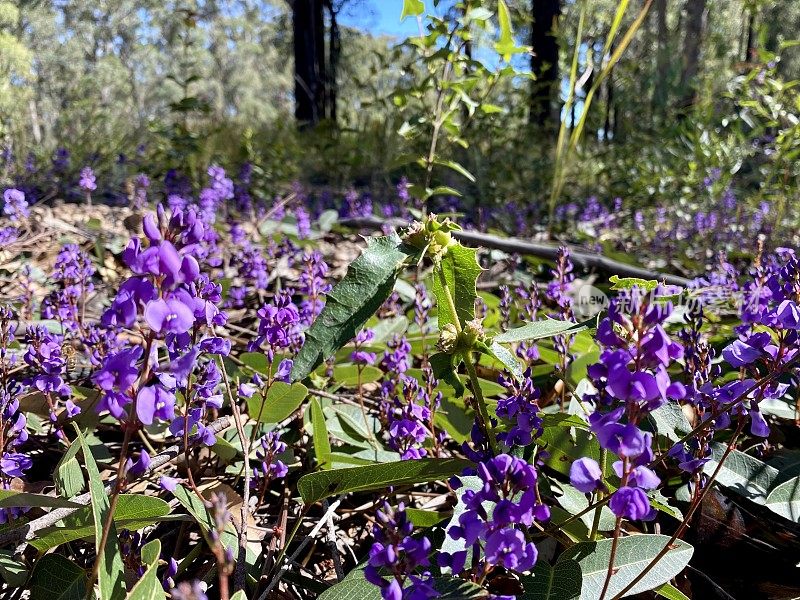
{"type": "Point", "coordinates": [548, 251]}
{"type": "Point", "coordinates": [289, 561]}
{"type": "Point", "coordinates": [28, 531]}
{"type": "Point", "coordinates": [331, 542]}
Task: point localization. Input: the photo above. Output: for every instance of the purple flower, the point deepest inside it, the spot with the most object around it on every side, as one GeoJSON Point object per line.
{"type": "Point", "coordinates": [508, 548]}
{"type": "Point", "coordinates": [168, 316]}
{"type": "Point", "coordinates": [631, 503]}
{"type": "Point", "coordinates": [88, 180]}
{"type": "Point", "coordinates": [153, 402]}
{"type": "Point", "coordinates": [15, 206]}
{"type": "Point", "coordinates": [585, 475]}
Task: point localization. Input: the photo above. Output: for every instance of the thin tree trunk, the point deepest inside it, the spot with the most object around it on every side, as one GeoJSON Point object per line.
{"type": "Point", "coordinates": [544, 63]}
{"type": "Point", "coordinates": [334, 51]}
{"type": "Point", "coordinates": [308, 45]}
{"type": "Point", "coordinates": [696, 14]}
{"type": "Point", "coordinates": [750, 47]}
{"type": "Point", "coordinates": [661, 89]}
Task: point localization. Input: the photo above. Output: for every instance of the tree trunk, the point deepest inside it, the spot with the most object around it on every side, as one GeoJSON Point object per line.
{"type": "Point", "coordinates": [544, 63]}
{"type": "Point", "coordinates": [334, 51]}
{"type": "Point", "coordinates": [696, 13]}
{"type": "Point", "coordinates": [750, 47]}
{"type": "Point", "coordinates": [309, 61]}
{"type": "Point", "coordinates": [661, 89]}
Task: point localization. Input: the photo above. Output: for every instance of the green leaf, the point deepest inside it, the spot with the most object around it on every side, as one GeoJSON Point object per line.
{"type": "Point", "coordinates": [627, 283]}
{"type": "Point", "coordinates": [505, 46]}
{"type": "Point", "coordinates": [10, 498]}
{"type": "Point", "coordinates": [148, 587]}
{"type": "Point", "coordinates": [134, 511]}
{"type": "Point", "coordinates": [412, 8]}
{"type": "Point", "coordinates": [742, 473]}
{"type": "Point", "coordinates": [13, 570]}
{"type": "Point", "coordinates": [281, 401]}
{"type": "Point", "coordinates": [505, 356]}
{"type": "Point", "coordinates": [670, 592]}
{"type": "Point", "coordinates": [68, 475]}
{"type": "Point", "coordinates": [634, 553]}
{"type": "Point", "coordinates": [240, 595]}
{"type": "Point", "coordinates": [55, 577]}
{"type": "Point", "coordinates": [457, 167]}
{"type": "Point", "coordinates": [322, 444]}
{"type": "Point", "coordinates": [542, 329]}
{"type": "Point", "coordinates": [366, 285]}
{"type": "Point", "coordinates": [785, 499]}
{"type": "Point", "coordinates": [444, 368]}
{"type": "Point", "coordinates": [111, 575]}
{"type": "Point", "coordinates": [424, 518]}
{"type": "Point", "coordinates": [348, 375]}
{"type": "Point", "coordinates": [460, 270]}
{"type": "Point", "coordinates": [559, 582]}
{"type": "Point", "coordinates": [316, 486]}
{"type": "Point", "coordinates": [670, 421]}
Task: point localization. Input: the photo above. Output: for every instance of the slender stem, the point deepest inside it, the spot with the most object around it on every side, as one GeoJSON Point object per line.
{"type": "Point", "coordinates": [480, 402]}
{"type": "Point", "coordinates": [599, 508]}
{"type": "Point", "coordinates": [668, 546]}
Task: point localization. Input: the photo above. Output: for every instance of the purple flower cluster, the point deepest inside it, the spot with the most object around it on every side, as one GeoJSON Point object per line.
{"type": "Point", "coordinates": [45, 357]}
{"type": "Point", "coordinates": [401, 555]}
{"type": "Point", "coordinates": [520, 406]}
{"type": "Point", "coordinates": [313, 285]}
{"type": "Point", "coordinates": [73, 273]}
{"type": "Point", "coordinates": [15, 207]}
{"type": "Point", "coordinates": [409, 419]}
{"type": "Point", "coordinates": [631, 380]}
{"type": "Point", "coordinates": [269, 467]}
{"type": "Point", "coordinates": [360, 356]}
{"type": "Point", "coordinates": [496, 514]}
{"type": "Point", "coordinates": [88, 180]}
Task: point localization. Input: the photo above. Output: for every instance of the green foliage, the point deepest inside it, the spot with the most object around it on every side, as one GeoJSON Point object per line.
{"type": "Point", "coordinates": [633, 554]}
{"type": "Point", "coordinates": [562, 581]}
{"type": "Point", "coordinates": [281, 401]}
{"type": "Point", "coordinates": [55, 577]}
{"type": "Point", "coordinates": [148, 587]}
{"type": "Point", "coordinates": [317, 486]}
{"type": "Point", "coordinates": [368, 282]}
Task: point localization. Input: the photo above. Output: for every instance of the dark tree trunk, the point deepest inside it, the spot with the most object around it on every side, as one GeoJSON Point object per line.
{"type": "Point", "coordinates": [661, 88]}
{"type": "Point", "coordinates": [334, 51]}
{"type": "Point", "coordinates": [750, 48]}
{"type": "Point", "coordinates": [544, 63]}
{"type": "Point", "coordinates": [696, 13]}
{"type": "Point", "coordinates": [309, 61]}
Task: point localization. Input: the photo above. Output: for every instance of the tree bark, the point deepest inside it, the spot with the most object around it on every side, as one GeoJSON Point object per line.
{"type": "Point", "coordinates": [544, 63]}
{"type": "Point", "coordinates": [696, 14]}
{"type": "Point", "coordinates": [750, 47]}
{"type": "Point", "coordinates": [309, 61]}
{"type": "Point", "coordinates": [334, 51]}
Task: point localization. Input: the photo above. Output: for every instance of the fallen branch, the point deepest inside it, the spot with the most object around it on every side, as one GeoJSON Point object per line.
{"type": "Point", "coordinates": [549, 251]}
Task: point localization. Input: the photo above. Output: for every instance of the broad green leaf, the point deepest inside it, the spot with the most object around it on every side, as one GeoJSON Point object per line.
{"type": "Point", "coordinates": [368, 282]}
{"type": "Point", "coordinates": [348, 375]}
{"type": "Point", "coordinates": [134, 511]}
{"type": "Point", "coordinates": [541, 329]}
{"type": "Point", "coordinates": [424, 518]}
{"type": "Point", "coordinates": [670, 421]}
{"type": "Point", "coordinates": [634, 553]}
{"type": "Point", "coordinates": [444, 368]}
{"type": "Point", "coordinates": [10, 498]}
{"type": "Point", "coordinates": [68, 475]}
{"type": "Point", "coordinates": [316, 486]}
{"type": "Point", "coordinates": [385, 329]}
{"type": "Point", "coordinates": [460, 270]}
{"type": "Point", "coordinates": [281, 401]}
{"type": "Point", "coordinates": [742, 473]}
{"type": "Point", "coordinates": [55, 577]}
{"type": "Point", "coordinates": [148, 587]}
{"type": "Point", "coordinates": [322, 445]}
{"type": "Point", "coordinates": [574, 502]}
{"type": "Point", "coordinates": [505, 356]}
{"type": "Point", "coordinates": [13, 570]}
{"type": "Point", "coordinates": [111, 575]}
{"type": "Point", "coordinates": [785, 499]}
{"type": "Point", "coordinates": [670, 592]}
{"type": "Point", "coordinates": [412, 8]}
{"type": "Point", "coordinates": [562, 581]}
